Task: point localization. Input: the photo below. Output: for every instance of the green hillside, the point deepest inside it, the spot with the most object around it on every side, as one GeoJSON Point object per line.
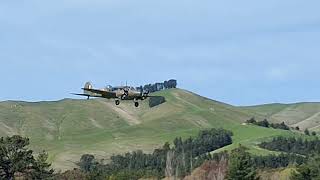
{"type": "Point", "coordinates": [69, 128]}
{"type": "Point", "coordinates": [304, 115]}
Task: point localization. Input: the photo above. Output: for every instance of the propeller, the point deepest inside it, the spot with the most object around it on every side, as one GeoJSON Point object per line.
{"type": "Point", "coordinates": [146, 93]}
{"type": "Point", "coordinates": [141, 91]}
{"type": "Point", "coordinates": [126, 89]}
{"type": "Point", "coordinates": [143, 94]}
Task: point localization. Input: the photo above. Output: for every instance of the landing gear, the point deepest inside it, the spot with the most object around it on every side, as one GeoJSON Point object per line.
{"type": "Point", "coordinates": [123, 97]}
{"type": "Point", "coordinates": [136, 104]}
{"type": "Point", "coordinates": [117, 102]}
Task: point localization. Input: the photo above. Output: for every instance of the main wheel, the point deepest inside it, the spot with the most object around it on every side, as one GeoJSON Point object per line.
{"type": "Point", "coordinates": [136, 104]}
{"type": "Point", "coordinates": [117, 102]}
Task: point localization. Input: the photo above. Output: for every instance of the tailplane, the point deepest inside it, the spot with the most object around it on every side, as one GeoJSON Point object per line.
{"type": "Point", "coordinates": [86, 90]}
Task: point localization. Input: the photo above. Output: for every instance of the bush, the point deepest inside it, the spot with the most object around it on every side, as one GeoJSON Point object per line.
{"type": "Point", "coordinates": [307, 132]}
{"type": "Point", "coordinates": [155, 101]}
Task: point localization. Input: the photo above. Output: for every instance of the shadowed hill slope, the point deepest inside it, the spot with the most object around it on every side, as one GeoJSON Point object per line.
{"type": "Point", "coordinates": [69, 128]}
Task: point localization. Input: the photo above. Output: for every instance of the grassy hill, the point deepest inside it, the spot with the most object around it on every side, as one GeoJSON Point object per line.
{"type": "Point", "coordinates": [69, 128]}
{"type": "Point", "coordinates": [304, 115]}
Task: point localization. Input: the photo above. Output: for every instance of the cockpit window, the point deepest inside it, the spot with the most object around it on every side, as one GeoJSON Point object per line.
{"type": "Point", "coordinates": [109, 87]}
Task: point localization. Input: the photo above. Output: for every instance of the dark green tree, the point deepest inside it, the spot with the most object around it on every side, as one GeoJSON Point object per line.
{"type": "Point", "coordinates": [41, 169]}
{"type": "Point", "coordinates": [308, 171]}
{"type": "Point", "coordinates": [16, 158]}
{"type": "Point", "coordinates": [264, 123]}
{"type": "Point", "coordinates": [172, 83]}
{"type": "Point", "coordinates": [241, 165]}
{"type": "Point", "coordinates": [165, 84]}
{"type": "Point", "coordinates": [306, 132]}
{"type": "Point", "coordinates": [86, 162]}
{"type": "Point", "coordinates": [252, 121]}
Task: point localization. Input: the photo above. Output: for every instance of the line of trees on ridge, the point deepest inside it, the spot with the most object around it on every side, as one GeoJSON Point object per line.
{"type": "Point", "coordinates": [172, 83]}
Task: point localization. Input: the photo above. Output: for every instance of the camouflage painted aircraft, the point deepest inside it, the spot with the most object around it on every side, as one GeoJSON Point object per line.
{"type": "Point", "coordinates": [118, 93]}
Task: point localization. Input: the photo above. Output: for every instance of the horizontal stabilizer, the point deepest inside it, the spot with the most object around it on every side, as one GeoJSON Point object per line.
{"type": "Point", "coordinates": [80, 94]}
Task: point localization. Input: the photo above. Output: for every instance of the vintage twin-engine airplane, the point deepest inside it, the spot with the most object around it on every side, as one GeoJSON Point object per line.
{"type": "Point", "coordinates": [117, 93]}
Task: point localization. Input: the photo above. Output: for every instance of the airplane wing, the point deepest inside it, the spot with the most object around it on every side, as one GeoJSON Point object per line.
{"type": "Point", "coordinates": [102, 92]}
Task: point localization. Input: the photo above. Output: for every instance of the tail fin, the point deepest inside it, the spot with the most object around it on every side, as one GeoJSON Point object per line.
{"type": "Point", "coordinates": [88, 85]}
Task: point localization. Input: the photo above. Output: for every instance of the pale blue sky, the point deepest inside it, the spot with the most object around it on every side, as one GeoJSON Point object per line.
{"type": "Point", "coordinates": [240, 52]}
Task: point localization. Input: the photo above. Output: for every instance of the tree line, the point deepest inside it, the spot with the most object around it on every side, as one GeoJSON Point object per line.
{"type": "Point", "coordinates": [185, 156]}
{"type": "Point", "coordinates": [17, 161]}
{"type": "Point", "coordinates": [178, 160]}
{"type": "Point", "coordinates": [293, 145]}
{"type": "Point", "coordinates": [309, 151]}
{"type": "Point", "coordinates": [265, 123]}
{"type": "Point", "coordinates": [172, 83]}
{"type": "Point", "coordinates": [273, 161]}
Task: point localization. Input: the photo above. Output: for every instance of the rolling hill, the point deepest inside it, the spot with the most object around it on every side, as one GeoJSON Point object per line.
{"type": "Point", "coordinates": [304, 115]}
{"type": "Point", "coordinates": [69, 128]}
